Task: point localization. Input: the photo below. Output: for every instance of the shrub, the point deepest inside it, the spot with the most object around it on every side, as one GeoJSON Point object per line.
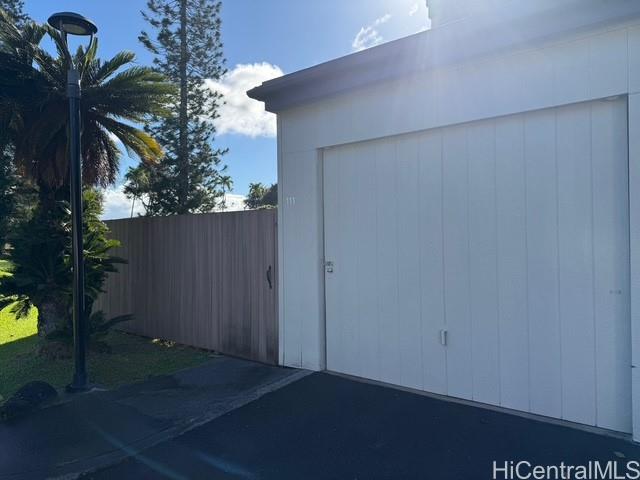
{"type": "Point", "coordinates": [41, 268]}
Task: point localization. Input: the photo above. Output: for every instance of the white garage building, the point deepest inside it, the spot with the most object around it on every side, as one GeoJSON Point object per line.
{"type": "Point", "coordinates": [460, 209]}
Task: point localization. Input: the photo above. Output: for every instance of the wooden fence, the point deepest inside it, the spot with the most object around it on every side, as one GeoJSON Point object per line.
{"type": "Point", "coordinates": [204, 280]}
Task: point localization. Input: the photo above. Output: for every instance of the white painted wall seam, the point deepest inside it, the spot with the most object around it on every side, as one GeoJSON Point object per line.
{"type": "Point", "coordinates": [558, 251]}
{"type": "Point", "coordinates": [634, 232]}
{"type": "Point", "coordinates": [593, 266]}
{"type": "Point", "coordinates": [444, 293]}
{"type": "Point", "coordinates": [281, 239]}
{"type": "Point", "coordinates": [526, 242]}
{"type": "Point", "coordinates": [497, 259]}
{"type": "Point", "coordinates": [469, 285]}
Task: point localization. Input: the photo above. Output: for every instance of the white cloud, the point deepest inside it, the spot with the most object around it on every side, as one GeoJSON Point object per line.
{"type": "Point", "coordinates": [369, 36]}
{"type": "Point", "coordinates": [414, 9]}
{"type": "Point", "coordinates": [241, 114]}
{"type": "Point", "coordinates": [117, 205]}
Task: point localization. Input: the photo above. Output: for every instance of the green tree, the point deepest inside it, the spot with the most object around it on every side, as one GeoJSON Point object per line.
{"type": "Point", "coordinates": [137, 186]}
{"type": "Point", "coordinates": [34, 117]}
{"type": "Point", "coordinates": [15, 10]}
{"type": "Point", "coordinates": [42, 271]}
{"type": "Point", "coordinates": [185, 40]}
{"type": "Point", "coordinates": [261, 196]}
{"type": "Point", "coordinates": [10, 184]}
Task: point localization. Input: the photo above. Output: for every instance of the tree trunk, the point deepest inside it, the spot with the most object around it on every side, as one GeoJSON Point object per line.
{"type": "Point", "coordinates": [53, 315]}
{"type": "Point", "coordinates": [53, 311]}
{"type": "Point", "coordinates": [183, 125]}
{"type": "Point", "coordinates": [47, 201]}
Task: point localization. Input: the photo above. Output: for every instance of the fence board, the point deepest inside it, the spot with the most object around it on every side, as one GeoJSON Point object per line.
{"type": "Point", "coordinates": [199, 280]}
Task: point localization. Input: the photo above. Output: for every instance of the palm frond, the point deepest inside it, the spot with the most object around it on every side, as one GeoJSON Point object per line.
{"type": "Point", "coordinates": [111, 66]}
{"type": "Point", "coordinates": [134, 140]}
{"type": "Point", "coordinates": [33, 112]}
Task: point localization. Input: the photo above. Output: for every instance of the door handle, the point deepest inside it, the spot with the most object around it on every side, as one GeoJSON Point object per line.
{"type": "Point", "coordinates": [269, 281]}
{"type": "Point", "coordinates": [443, 337]}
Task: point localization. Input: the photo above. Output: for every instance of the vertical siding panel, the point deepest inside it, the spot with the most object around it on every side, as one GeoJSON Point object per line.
{"type": "Point", "coordinates": [365, 184]}
{"type": "Point", "coordinates": [346, 270]}
{"type": "Point", "coordinates": [456, 263]}
{"type": "Point", "coordinates": [333, 224]}
{"type": "Point", "coordinates": [142, 303]}
{"type": "Point", "coordinates": [611, 258]}
{"type": "Point", "coordinates": [246, 284]}
{"type": "Point", "coordinates": [172, 291]}
{"type": "Point", "coordinates": [273, 306]}
{"type": "Point", "coordinates": [576, 263]}
{"type": "Point", "coordinates": [512, 263]}
{"type": "Point", "coordinates": [542, 245]}
{"type": "Point", "coordinates": [387, 293]}
{"type": "Point", "coordinates": [483, 262]}
{"type": "Point", "coordinates": [292, 222]}
{"type": "Point", "coordinates": [410, 328]}
{"type": "Point", "coordinates": [264, 261]}
{"type": "Point", "coordinates": [216, 287]}
{"type": "Point", "coordinates": [257, 271]}
{"type": "Point", "coordinates": [207, 281]}
{"type": "Point", "coordinates": [431, 262]}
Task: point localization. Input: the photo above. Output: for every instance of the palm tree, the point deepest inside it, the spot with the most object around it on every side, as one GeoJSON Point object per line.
{"type": "Point", "coordinates": [33, 107]}
{"type": "Point", "coordinates": [34, 121]}
{"type": "Point", "coordinates": [136, 185]}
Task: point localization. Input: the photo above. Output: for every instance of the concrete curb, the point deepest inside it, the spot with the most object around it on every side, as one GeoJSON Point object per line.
{"type": "Point", "coordinates": [89, 465]}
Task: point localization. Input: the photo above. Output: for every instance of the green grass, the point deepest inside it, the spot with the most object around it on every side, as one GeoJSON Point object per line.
{"type": "Point", "coordinates": [132, 358]}
{"type": "Point", "coordinates": [4, 267]}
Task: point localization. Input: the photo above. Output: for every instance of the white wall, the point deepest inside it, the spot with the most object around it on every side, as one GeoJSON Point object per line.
{"type": "Point", "coordinates": [581, 68]}
{"type": "Point", "coordinates": [584, 67]}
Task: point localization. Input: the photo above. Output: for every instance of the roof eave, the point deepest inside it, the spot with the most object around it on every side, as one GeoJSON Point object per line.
{"type": "Point", "coordinates": [435, 48]}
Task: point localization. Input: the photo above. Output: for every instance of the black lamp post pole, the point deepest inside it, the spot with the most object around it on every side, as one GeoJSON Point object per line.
{"type": "Point", "coordinates": [69, 23]}
{"type": "Point", "coordinates": [79, 314]}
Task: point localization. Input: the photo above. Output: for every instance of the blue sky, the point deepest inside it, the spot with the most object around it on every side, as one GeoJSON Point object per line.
{"type": "Point", "coordinates": [263, 39]}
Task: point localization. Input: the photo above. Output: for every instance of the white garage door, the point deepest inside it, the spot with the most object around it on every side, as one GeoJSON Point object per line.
{"type": "Point", "coordinates": [506, 240]}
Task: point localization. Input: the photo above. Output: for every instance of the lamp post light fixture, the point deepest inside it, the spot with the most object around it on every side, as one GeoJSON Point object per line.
{"type": "Point", "coordinates": [73, 24]}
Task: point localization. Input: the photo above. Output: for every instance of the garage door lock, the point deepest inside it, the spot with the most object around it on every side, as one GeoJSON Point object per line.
{"type": "Point", "coordinates": [328, 267]}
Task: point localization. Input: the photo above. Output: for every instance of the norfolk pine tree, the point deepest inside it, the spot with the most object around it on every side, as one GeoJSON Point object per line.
{"type": "Point", "coordinates": [186, 42]}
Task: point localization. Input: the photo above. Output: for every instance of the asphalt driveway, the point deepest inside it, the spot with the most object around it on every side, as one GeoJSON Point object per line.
{"type": "Point", "coordinates": [328, 427]}
{"type": "Point", "coordinates": [85, 432]}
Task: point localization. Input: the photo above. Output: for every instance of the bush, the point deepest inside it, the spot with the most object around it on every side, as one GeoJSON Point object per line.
{"type": "Point", "coordinates": [41, 268]}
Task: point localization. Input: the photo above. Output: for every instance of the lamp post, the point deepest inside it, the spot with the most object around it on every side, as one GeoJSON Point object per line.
{"type": "Point", "coordinates": [73, 24]}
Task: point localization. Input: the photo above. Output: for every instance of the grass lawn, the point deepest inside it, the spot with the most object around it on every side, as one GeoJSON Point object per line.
{"type": "Point", "coordinates": [133, 358]}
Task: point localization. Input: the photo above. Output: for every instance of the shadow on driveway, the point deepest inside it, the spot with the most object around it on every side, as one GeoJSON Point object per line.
{"type": "Point", "coordinates": [328, 427]}
{"type": "Point", "coordinates": [97, 429]}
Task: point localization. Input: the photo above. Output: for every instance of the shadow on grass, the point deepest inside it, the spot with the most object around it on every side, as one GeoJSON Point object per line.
{"type": "Point", "coordinates": [131, 359]}
{"type": "Point", "coordinates": [20, 346]}
{"type": "Point", "coordinates": [20, 364]}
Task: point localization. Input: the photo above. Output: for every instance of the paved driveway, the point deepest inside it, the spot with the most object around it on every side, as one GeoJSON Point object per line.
{"type": "Point", "coordinates": [329, 427]}
{"type": "Point", "coordinates": [92, 430]}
